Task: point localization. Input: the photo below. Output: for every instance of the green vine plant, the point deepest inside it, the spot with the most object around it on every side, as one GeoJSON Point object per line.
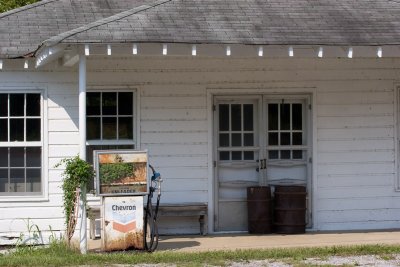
{"type": "Point", "coordinates": [76, 177]}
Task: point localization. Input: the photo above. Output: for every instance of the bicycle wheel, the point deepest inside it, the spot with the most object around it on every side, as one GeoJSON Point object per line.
{"type": "Point", "coordinates": [150, 231]}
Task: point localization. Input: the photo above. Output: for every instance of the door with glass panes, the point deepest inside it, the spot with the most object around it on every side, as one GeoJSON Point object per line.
{"type": "Point", "coordinates": [260, 140]}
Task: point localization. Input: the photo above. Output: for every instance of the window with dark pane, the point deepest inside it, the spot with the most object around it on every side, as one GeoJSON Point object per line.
{"type": "Point", "coordinates": [248, 117]}
{"type": "Point", "coordinates": [224, 117]}
{"type": "Point", "coordinates": [272, 116]}
{"type": "Point", "coordinates": [93, 101]}
{"type": "Point", "coordinates": [236, 117]}
{"type": "Point", "coordinates": [285, 116]}
{"type": "Point", "coordinates": [297, 116]}
{"type": "Point", "coordinates": [20, 166]}
{"type": "Point", "coordinates": [109, 104]}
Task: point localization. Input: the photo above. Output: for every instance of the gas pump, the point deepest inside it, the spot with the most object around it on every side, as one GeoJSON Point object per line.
{"type": "Point", "coordinates": [122, 181]}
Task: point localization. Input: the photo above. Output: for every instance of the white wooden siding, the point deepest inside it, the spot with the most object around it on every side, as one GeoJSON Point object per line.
{"type": "Point", "coordinates": [354, 165]}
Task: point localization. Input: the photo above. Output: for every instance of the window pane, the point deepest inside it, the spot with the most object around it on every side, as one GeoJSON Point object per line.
{"type": "Point", "coordinates": [92, 104]}
{"type": "Point", "coordinates": [16, 104]}
{"type": "Point", "coordinates": [297, 154]}
{"type": "Point", "coordinates": [17, 156]}
{"type": "Point", "coordinates": [125, 103]}
{"type": "Point", "coordinates": [33, 178]}
{"type": "Point", "coordinates": [224, 155]}
{"type": "Point", "coordinates": [273, 154]}
{"type": "Point", "coordinates": [33, 156]}
{"type": "Point", "coordinates": [297, 116]}
{"type": "Point", "coordinates": [16, 130]}
{"type": "Point", "coordinates": [285, 116]}
{"type": "Point", "coordinates": [224, 117]}
{"type": "Point", "coordinates": [32, 104]}
{"type": "Point", "coordinates": [3, 180]}
{"type": "Point", "coordinates": [236, 155]}
{"type": "Point", "coordinates": [125, 128]}
{"type": "Point", "coordinates": [285, 139]}
{"type": "Point", "coordinates": [223, 140]}
{"type": "Point", "coordinates": [33, 130]}
{"type": "Point", "coordinates": [236, 139]}
{"type": "Point", "coordinates": [17, 180]}
{"type": "Point", "coordinates": [109, 128]}
{"type": "Point", "coordinates": [297, 139]}
{"type": "Point", "coordinates": [248, 117]}
{"type": "Point", "coordinates": [109, 104]}
{"type": "Point", "coordinates": [236, 117]}
{"type": "Point", "coordinates": [3, 156]}
{"type": "Point", "coordinates": [272, 116]}
{"type": "Point", "coordinates": [3, 105]}
{"type": "Point", "coordinates": [273, 139]}
{"type": "Point", "coordinates": [93, 128]}
{"type": "Point", "coordinates": [285, 154]}
{"type": "Point", "coordinates": [248, 139]}
{"type": "Point", "coordinates": [248, 155]}
{"type": "Point", "coordinates": [3, 130]}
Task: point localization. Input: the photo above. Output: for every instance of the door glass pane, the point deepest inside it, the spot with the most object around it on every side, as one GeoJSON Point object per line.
{"type": "Point", "coordinates": [32, 104]}
{"type": "Point", "coordinates": [273, 154]}
{"type": "Point", "coordinates": [297, 117]}
{"type": "Point", "coordinates": [109, 104]}
{"type": "Point", "coordinates": [236, 117]}
{"type": "Point", "coordinates": [93, 104]}
{"type": "Point", "coordinates": [17, 155]}
{"type": "Point", "coordinates": [248, 117]}
{"type": "Point", "coordinates": [93, 128]}
{"type": "Point", "coordinates": [16, 104]}
{"type": "Point", "coordinates": [224, 117]}
{"type": "Point", "coordinates": [33, 156]}
{"type": "Point", "coordinates": [3, 157]}
{"type": "Point", "coordinates": [33, 178]}
{"type": "Point", "coordinates": [297, 154]}
{"type": "Point", "coordinates": [125, 128]}
{"type": "Point", "coordinates": [236, 155]}
{"type": "Point", "coordinates": [3, 130]}
{"type": "Point", "coordinates": [297, 139]}
{"type": "Point", "coordinates": [272, 116]}
{"type": "Point", "coordinates": [248, 139]}
{"type": "Point", "coordinates": [224, 155]}
{"type": "Point", "coordinates": [236, 139]}
{"type": "Point", "coordinates": [285, 139]}
{"type": "Point", "coordinates": [109, 128]}
{"type": "Point", "coordinates": [33, 130]}
{"type": "Point", "coordinates": [125, 103]}
{"type": "Point", "coordinates": [16, 130]}
{"type": "Point", "coordinates": [273, 139]}
{"type": "Point", "coordinates": [248, 155]}
{"type": "Point", "coordinates": [3, 180]}
{"type": "Point", "coordinates": [285, 154]}
{"type": "Point", "coordinates": [223, 140]}
{"type": "Point", "coordinates": [3, 105]}
{"type": "Point", "coordinates": [17, 180]}
{"type": "Point", "coordinates": [285, 116]}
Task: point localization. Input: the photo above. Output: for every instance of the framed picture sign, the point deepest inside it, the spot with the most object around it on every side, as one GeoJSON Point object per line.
{"type": "Point", "coordinates": [121, 172]}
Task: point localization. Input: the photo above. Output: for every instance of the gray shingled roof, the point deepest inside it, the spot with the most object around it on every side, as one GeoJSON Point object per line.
{"type": "Point", "coordinates": [275, 22]}
{"type": "Point", "coordinates": [22, 30]}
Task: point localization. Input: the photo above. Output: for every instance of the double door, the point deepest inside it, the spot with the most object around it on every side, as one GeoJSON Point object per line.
{"type": "Point", "coordinates": [259, 140]}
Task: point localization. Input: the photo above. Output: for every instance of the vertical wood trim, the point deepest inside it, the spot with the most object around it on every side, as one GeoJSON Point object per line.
{"type": "Point", "coordinates": [396, 112]}
{"type": "Point", "coordinates": [314, 165]}
{"type": "Point", "coordinates": [210, 159]}
{"type": "Point", "coordinates": [82, 107]}
{"type": "Point", "coordinates": [137, 102]}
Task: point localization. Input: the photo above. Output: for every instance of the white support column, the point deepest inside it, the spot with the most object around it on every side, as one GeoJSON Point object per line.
{"type": "Point", "coordinates": [82, 149]}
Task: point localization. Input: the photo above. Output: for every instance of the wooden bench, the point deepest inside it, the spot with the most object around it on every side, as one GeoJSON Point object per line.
{"type": "Point", "coordinates": [167, 210]}
{"type": "Point", "coordinates": [186, 210]}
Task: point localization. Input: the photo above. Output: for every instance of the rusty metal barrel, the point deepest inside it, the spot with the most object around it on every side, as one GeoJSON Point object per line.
{"type": "Point", "coordinates": [290, 209]}
{"type": "Point", "coordinates": [259, 210]}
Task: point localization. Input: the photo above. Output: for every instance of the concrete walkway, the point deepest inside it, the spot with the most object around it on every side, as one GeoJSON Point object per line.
{"type": "Point", "coordinates": [245, 241]}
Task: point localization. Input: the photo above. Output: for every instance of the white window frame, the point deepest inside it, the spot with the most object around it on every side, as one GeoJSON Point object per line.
{"type": "Point", "coordinates": [135, 128]}
{"type": "Point", "coordinates": [30, 196]}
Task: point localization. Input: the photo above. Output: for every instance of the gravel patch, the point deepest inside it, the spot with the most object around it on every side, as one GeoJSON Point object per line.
{"type": "Point", "coordinates": [364, 260]}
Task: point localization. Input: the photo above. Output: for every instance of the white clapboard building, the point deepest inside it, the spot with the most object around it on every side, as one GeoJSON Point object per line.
{"type": "Point", "coordinates": [224, 94]}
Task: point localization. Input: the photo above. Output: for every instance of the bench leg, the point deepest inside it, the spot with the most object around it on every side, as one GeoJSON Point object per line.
{"type": "Point", "coordinates": [203, 224]}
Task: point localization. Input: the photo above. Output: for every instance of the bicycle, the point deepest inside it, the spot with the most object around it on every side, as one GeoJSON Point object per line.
{"type": "Point", "coordinates": [150, 228]}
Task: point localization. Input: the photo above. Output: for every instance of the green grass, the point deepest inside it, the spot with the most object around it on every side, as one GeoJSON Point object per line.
{"type": "Point", "coordinates": [59, 255]}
